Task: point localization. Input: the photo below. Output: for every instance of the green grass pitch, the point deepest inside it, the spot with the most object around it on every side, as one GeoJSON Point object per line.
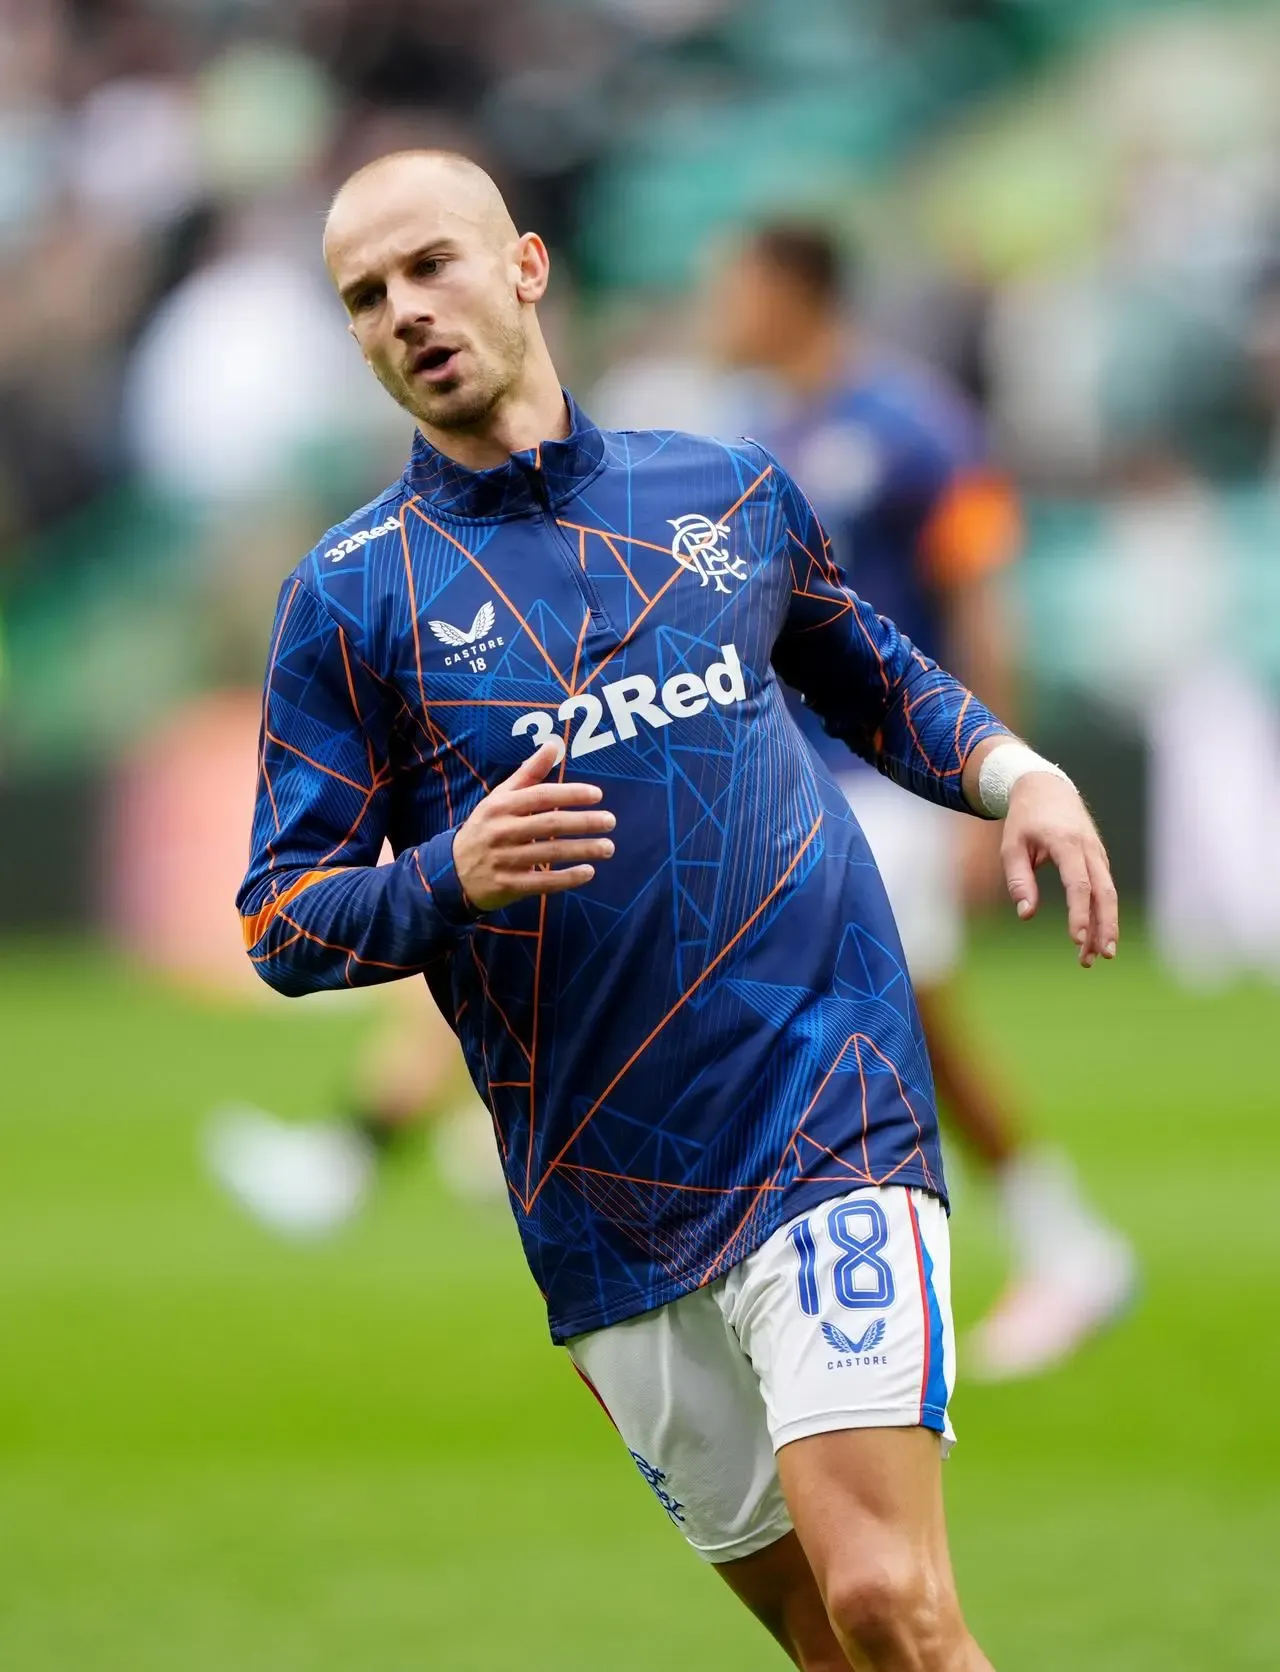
{"type": "Point", "coordinates": [219, 1453]}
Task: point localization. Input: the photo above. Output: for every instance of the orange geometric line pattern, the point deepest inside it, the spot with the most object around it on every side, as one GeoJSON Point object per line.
{"type": "Point", "coordinates": [319, 766]}
{"type": "Point", "coordinates": [678, 1005]}
{"type": "Point", "coordinates": [253, 928]}
{"type": "Point", "coordinates": [577, 659]}
{"type": "Point", "coordinates": [667, 584]}
{"type": "Point", "coordinates": [476, 702]}
{"type": "Point", "coordinates": [612, 534]}
{"type": "Point", "coordinates": [352, 955]}
{"type": "Point", "coordinates": [265, 957]}
{"type": "Point", "coordinates": [656, 1184]}
{"type": "Point", "coordinates": [771, 1183]}
{"type": "Point", "coordinates": [624, 565]}
{"type": "Point", "coordinates": [417, 865]}
{"type": "Point", "coordinates": [266, 715]}
{"type": "Point", "coordinates": [856, 1040]}
{"type": "Point", "coordinates": [747, 492]}
{"type": "Point", "coordinates": [417, 655]}
{"type": "Point", "coordinates": [625, 641]}
{"type": "Point", "coordinates": [439, 740]}
{"type": "Point", "coordinates": [416, 508]}
{"type": "Point", "coordinates": [350, 836]}
{"type": "Point", "coordinates": [495, 1006]}
{"type": "Point", "coordinates": [351, 685]}
{"type": "Point", "coordinates": [537, 971]}
{"type": "Point", "coordinates": [533, 1042]}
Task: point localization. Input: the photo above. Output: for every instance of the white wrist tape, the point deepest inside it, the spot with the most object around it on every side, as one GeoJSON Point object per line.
{"type": "Point", "coordinates": [1001, 770]}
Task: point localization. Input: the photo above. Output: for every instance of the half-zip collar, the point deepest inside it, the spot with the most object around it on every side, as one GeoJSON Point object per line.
{"type": "Point", "coordinates": [560, 468]}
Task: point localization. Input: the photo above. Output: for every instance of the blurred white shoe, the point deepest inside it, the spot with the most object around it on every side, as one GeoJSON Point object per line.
{"type": "Point", "coordinates": [300, 1181]}
{"type": "Point", "coordinates": [1039, 1321]}
{"type": "Point", "coordinates": [1075, 1275]}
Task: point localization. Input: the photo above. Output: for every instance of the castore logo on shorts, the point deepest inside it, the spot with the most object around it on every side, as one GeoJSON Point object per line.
{"type": "Point", "coordinates": [854, 1352]}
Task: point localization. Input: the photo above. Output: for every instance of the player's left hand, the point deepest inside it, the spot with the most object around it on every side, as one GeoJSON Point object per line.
{"type": "Point", "coordinates": [1047, 820]}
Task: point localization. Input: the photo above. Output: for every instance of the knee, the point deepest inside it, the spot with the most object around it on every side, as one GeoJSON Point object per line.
{"type": "Point", "coordinates": [894, 1611]}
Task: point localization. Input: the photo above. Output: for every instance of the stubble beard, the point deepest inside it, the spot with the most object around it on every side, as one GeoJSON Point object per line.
{"type": "Point", "coordinates": [468, 404]}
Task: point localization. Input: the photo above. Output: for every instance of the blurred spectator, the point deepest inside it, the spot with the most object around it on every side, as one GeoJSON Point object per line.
{"type": "Point", "coordinates": [243, 371]}
{"type": "Point", "coordinates": [1265, 353]}
{"type": "Point", "coordinates": [1071, 209]}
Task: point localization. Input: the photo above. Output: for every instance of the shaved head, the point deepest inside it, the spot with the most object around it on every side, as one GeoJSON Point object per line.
{"type": "Point", "coordinates": [439, 287]}
{"type": "Point", "coordinates": [447, 176]}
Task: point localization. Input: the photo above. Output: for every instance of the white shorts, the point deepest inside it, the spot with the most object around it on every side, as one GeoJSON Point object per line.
{"type": "Point", "coordinates": [916, 850]}
{"type": "Point", "coordinates": [842, 1319]}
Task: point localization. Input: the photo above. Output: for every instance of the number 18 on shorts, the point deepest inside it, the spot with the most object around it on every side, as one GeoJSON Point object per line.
{"type": "Point", "coordinates": [868, 1332]}
{"type": "Point", "coordinates": [841, 1319]}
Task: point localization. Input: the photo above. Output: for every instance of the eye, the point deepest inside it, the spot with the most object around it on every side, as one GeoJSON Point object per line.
{"type": "Point", "coordinates": [363, 300]}
{"type": "Point", "coordinates": [428, 266]}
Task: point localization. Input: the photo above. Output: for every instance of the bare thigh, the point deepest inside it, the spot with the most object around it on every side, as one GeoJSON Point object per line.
{"type": "Point", "coordinates": [778, 1587]}
{"type": "Point", "coordinates": [868, 1512]}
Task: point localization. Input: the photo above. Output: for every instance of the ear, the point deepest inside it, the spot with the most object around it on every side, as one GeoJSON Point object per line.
{"type": "Point", "coordinates": [533, 268]}
{"type": "Point", "coordinates": [351, 332]}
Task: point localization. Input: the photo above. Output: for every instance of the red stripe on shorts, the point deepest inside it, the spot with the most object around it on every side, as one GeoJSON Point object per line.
{"type": "Point", "coordinates": [595, 1393]}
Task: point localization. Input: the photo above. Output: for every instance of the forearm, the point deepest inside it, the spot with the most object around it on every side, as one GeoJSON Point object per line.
{"type": "Point", "coordinates": [871, 686]}
{"type": "Point", "coordinates": [934, 736]}
{"type": "Point", "coordinates": [353, 926]}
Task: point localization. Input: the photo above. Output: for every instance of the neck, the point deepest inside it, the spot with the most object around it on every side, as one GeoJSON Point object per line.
{"type": "Point", "coordinates": [534, 411]}
{"type": "Point", "coordinates": [818, 361]}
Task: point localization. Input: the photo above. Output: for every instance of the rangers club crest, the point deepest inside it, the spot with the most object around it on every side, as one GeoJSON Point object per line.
{"type": "Point", "coordinates": [699, 545]}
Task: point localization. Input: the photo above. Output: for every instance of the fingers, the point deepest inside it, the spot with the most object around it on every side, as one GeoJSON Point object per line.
{"type": "Point", "coordinates": [507, 848]}
{"type": "Point", "coordinates": [546, 827]}
{"type": "Point", "coordinates": [529, 870]}
{"type": "Point", "coordinates": [541, 798]}
{"type": "Point", "coordinates": [1104, 930]}
{"type": "Point", "coordinates": [1048, 820]}
{"type": "Point", "coordinates": [556, 882]}
{"type": "Point", "coordinates": [1093, 912]}
{"type": "Point", "coordinates": [537, 766]}
{"type": "Point", "coordinates": [1068, 856]}
{"type": "Point", "coordinates": [1020, 877]}
{"type": "Point", "coordinates": [523, 858]}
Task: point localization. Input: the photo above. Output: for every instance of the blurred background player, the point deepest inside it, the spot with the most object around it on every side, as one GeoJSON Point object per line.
{"type": "Point", "coordinates": [926, 527]}
{"type": "Point", "coordinates": [177, 809]}
{"type": "Point", "coordinates": [310, 1178]}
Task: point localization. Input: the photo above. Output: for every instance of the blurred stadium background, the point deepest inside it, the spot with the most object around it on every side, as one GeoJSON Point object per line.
{"type": "Point", "coordinates": [217, 1452]}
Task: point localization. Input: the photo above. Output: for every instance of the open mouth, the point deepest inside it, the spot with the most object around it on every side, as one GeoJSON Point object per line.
{"type": "Point", "coordinates": [434, 364]}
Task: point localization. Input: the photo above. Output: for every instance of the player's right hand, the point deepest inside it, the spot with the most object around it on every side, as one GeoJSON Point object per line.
{"type": "Point", "coordinates": [508, 847]}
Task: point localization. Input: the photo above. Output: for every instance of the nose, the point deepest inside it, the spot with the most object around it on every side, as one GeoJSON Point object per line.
{"type": "Point", "coordinates": [410, 308]}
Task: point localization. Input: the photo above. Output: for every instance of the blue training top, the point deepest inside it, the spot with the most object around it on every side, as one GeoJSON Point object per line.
{"type": "Point", "coordinates": [717, 1032]}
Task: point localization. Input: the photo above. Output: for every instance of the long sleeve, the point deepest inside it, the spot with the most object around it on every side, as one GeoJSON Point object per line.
{"type": "Point", "coordinates": [869, 685]}
{"type": "Point", "coordinates": [316, 908]}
